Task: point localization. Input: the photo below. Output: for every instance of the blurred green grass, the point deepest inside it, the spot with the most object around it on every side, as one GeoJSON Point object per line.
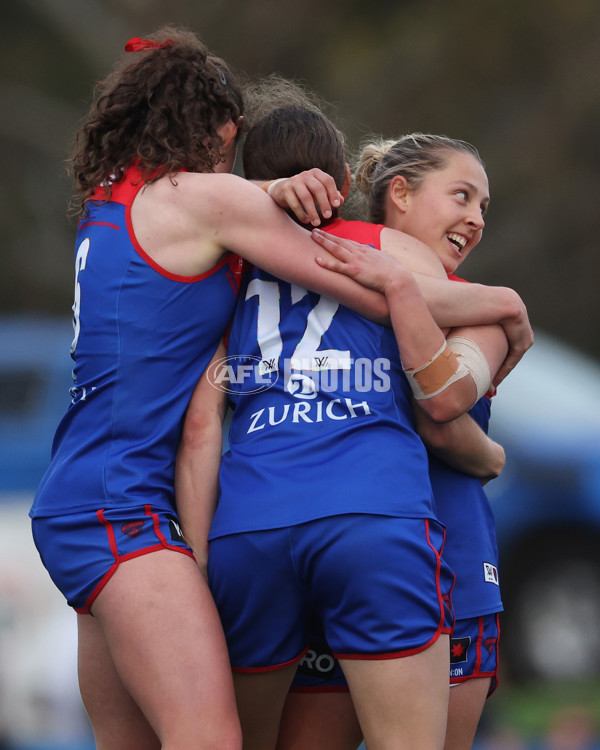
{"type": "Point", "coordinates": [531, 709]}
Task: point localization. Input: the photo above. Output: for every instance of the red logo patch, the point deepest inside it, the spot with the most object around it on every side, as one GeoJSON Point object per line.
{"type": "Point", "coordinates": [132, 529]}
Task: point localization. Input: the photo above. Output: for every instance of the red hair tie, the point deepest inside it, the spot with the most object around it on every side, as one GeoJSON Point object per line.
{"type": "Point", "coordinates": [139, 45]}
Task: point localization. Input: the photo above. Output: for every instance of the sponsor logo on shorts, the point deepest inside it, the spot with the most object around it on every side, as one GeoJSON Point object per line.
{"type": "Point", "coordinates": [490, 573]}
{"type": "Point", "coordinates": [175, 529]}
{"type": "Point", "coordinates": [133, 528]}
{"type": "Point", "coordinates": [459, 649]}
{"type": "Point", "coordinates": [323, 663]}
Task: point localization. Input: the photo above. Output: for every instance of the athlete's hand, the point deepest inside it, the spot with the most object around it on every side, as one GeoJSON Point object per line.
{"type": "Point", "coordinates": [363, 263]}
{"type": "Point", "coordinates": [519, 334]}
{"type": "Point", "coordinates": [311, 195]}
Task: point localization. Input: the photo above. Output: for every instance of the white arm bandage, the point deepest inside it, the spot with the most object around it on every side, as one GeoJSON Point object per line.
{"type": "Point", "coordinates": [471, 356]}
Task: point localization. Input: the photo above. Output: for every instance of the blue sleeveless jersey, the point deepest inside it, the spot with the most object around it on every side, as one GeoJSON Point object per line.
{"type": "Point", "coordinates": [143, 337]}
{"type": "Point", "coordinates": [323, 423]}
{"type": "Point", "coordinates": [471, 549]}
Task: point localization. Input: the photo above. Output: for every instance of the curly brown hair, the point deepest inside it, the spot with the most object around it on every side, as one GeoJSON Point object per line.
{"type": "Point", "coordinates": [160, 108]}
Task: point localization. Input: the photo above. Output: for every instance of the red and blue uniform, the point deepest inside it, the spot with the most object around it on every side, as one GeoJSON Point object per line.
{"type": "Point", "coordinates": [143, 337]}
{"type": "Point", "coordinates": [471, 552]}
{"type": "Point", "coordinates": [324, 491]}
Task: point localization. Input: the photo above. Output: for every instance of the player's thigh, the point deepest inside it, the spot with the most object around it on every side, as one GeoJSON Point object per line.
{"type": "Point", "coordinates": [402, 702]}
{"type": "Point", "coordinates": [260, 700]}
{"type": "Point", "coordinates": [116, 719]}
{"type": "Point", "coordinates": [318, 712]}
{"type": "Point", "coordinates": [166, 640]}
{"type": "Point", "coordinates": [319, 721]}
{"type": "Point", "coordinates": [464, 711]}
{"type": "Point", "coordinates": [82, 551]}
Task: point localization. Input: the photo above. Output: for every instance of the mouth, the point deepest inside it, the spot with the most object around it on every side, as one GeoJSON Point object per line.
{"type": "Point", "coordinates": [457, 240]}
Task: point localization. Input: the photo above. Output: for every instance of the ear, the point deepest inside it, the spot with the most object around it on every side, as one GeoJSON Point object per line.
{"type": "Point", "coordinates": [399, 192]}
{"type": "Point", "coordinates": [228, 132]}
{"type": "Point", "coordinates": [345, 189]}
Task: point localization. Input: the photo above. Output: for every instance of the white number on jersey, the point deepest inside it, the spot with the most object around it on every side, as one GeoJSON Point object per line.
{"type": "Point", "coordinates": [307, 355]}
{"type": "Point", "coordinates": [80, 261]}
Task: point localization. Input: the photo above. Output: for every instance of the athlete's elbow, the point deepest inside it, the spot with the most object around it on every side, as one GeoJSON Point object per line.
{"type": "Point", "coordinates": [440, 411]}
{"type": "Point", "coordinates": [497, 463]}
{"type": "Point", "coordinates": [199, 429]}
{"type": "Point", "coordinates": [447, 405]}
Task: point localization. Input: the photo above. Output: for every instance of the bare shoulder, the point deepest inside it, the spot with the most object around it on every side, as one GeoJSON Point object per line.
{"type": "Point", "coordinates": [411, 252]}
{"type": "Point", "coordinates": [191, 193]}
{"type": "Point", "coordinates": [176, 218]}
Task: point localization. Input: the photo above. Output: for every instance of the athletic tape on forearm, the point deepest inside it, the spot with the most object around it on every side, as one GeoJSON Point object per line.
{"type": "Point", "coordinates": [474, 360]}
{"type": "Point", "coordinates": [443, 369]}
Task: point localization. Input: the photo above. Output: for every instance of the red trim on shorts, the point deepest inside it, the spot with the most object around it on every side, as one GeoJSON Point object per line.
{"type": "Point", "coordinates": [163, 544]}
{"type": "Point", "coordinates": [442, 598]}
{"type": "Point", "coordinates": [477, 673]}
{"type": "Point", "coordinates": [258, 670]}
{"type": "Point", "coordinates": [477, 668]}
{"type": "Point", "coordinates": [393, 654]}
{"type": "Point", "coordinates": [441, 626]}
{"type": "Point", "coordinates": [156, 523]}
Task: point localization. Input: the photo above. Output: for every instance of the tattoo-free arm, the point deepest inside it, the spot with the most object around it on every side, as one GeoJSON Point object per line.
{"type": "Point", "coordinates": [419, 338]}
{"type": "Point", "coordinates": [198, 461]}
{"type": "Point", "coordinates": [462, 444]}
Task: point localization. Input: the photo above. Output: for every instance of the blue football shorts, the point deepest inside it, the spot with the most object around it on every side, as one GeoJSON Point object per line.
{"type": "Point", "coordinates": [377, 584]}
{"type": "Point", "coordinates": [318, 670]}
{"type": "Point", "coordinates": [81, 551]}
{"type": "Point", "coordinates": [474, 649]}
{"type": "Point", "coordinates": [473, 654]}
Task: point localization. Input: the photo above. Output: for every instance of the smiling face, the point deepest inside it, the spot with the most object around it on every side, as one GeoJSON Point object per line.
{"type": "Point", "coordinates": [446, 210]}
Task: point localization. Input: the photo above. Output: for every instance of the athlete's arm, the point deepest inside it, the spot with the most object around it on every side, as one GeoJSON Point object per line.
{"type": "Point", "coordinates": [186, 225]}
{"type": "Point", "coordinates": [450, 307]}
{"type": "Point", "coordinates": [462, 444]}
{"type": "Point", "coordinates": [444, 388]}
{"type": "Point", "coordinates": [198, 461]}
{"type": "Point", "coordinates": [453, 304]}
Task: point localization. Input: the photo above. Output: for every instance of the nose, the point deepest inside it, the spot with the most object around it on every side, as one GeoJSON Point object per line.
{"type": "Point", "coordinates": [475, 219]}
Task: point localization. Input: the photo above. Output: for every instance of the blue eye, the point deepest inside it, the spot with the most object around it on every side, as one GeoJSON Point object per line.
{"type": "Point", "coordinates": [464, 194]}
